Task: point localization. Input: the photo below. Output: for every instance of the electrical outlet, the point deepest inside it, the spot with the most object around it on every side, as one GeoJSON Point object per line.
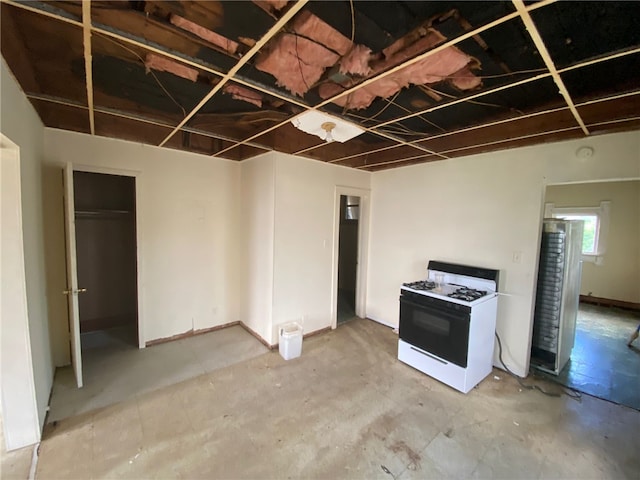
{"type": "Point", "coordinates": [517, 257]}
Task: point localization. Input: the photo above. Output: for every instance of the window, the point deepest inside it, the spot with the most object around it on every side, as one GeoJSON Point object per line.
{"type": "Point", "coordinates": [596, 222]}
{"type": "Point", "coordinates": [590, 237]}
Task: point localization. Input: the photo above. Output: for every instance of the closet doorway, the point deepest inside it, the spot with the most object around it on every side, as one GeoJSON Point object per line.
{"type": "Point", "coordinates": [106, 254]}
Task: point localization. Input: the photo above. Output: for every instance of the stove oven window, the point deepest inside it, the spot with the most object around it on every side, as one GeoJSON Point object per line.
{"type": "Point", "coordinates": [436, 329]}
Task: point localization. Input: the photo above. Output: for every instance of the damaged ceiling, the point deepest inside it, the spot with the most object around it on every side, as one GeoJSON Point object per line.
{"type": "Point", "coordinates": [426, 81]}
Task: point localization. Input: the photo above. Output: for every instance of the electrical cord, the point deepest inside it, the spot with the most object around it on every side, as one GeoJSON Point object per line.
{"type": "Point", "coordinates": [133, 52]}
{"type": "Point", "coordinates": [567, 391]}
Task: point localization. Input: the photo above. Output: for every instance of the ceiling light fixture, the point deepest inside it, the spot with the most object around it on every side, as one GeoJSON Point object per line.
{"type": "Point", "coordinates": [327, 127]}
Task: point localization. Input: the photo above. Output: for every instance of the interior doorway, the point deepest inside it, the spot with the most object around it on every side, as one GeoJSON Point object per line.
{"type": "Point", "coordinates": [347, 257]}
{"type": "Point", "coordinates": [106, 254]}
{"type": "Point", "coordinates": [601, 363]}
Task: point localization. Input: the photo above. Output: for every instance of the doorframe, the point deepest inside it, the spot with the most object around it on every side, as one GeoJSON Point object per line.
{"type": "Point", "coordinates": [363, 250]}
{"type": "Point", "coordinates": [139, 253]}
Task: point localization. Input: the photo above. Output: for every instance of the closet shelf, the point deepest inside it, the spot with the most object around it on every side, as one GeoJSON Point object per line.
{"type": "Point", "coordinates": [101, 213]}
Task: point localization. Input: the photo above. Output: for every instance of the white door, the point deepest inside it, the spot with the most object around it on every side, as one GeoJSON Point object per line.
{"type": "Point", "coordinates": [72, 290]}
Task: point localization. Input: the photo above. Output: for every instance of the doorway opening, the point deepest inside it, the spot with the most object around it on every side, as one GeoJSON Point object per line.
{"type": "Point", "coordinates": [347, 257]}
{"type": "Point", "coordinates": [601, 362]}
{"type": "Point", "coordinates": [106, 254]}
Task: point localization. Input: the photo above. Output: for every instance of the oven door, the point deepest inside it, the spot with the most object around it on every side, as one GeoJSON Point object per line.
{"type": "Point", "coordinates": [435, 326]}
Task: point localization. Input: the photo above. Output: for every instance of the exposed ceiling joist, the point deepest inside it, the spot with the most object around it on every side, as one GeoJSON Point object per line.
{"type": "Point", "coordinates": [137, 118]}
{"type": "Point", "coordinates": [433, 51]}
{"type": "Point", "coordinates": [542, 48]}
{"type": "Point", "coordinates": [504, 87]}
{"type": "Point", "coordinates": [470, 34]}
{"type": "Point", "coordinates": [495, 123]}
{"type": "Point", "coordinates": [86, 33]}
{"type": "Point", "coordinates": [466, 99]}
{"type": "Point", "coordinates": [534, 114]}
{"type": "Point", "coordinates": [498, 142]}
{"type": "Point", "coordinates": [402, 65]}
{"type": "Point", "coordinates": [56, 14]}
{"type": "Point", "coordinates": [539, 134]}
{"type": "Point", "coordinates": [604, 58]}
{"type": "Point", "coordinates": [288, 15]}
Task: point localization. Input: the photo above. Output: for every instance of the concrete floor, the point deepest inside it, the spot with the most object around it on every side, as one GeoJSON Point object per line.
{"type": "Point", "coordinates": [115, 370]}
{"type": "Point", "coordinates": [15, 464]}
{"type": "Point", "coordinates": [345, 409]}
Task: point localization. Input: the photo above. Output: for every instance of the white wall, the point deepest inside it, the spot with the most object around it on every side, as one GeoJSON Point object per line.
{"type": "Point", "coordinates": [20, 123]}
{"type": "Point", "coordinates": [617, 275]}
{"type": "Point", "coordinates": [305, 191]}
{"type": "Point", "coordinates": [188, 211]}
{"type": "Point", "coordinates": [480, 210]}
{"type": "Point", "coordinates": [258, 196]}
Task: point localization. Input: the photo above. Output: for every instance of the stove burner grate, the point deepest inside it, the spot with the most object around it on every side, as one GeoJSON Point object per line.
{"type": "Point", "coordinates": [467, 294]}
{"type": "Point", "coordinates": [421, 285]}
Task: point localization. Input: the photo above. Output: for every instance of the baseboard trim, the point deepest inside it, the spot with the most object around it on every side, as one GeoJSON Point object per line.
{"type": "Point", "coordinates": [607, 302]}
{"type": "Point", "coordinates": [275, 345]}
{"type": "Point", "coordinates": [192, 333]}
{"type": "Point", "coordinates": [255, 334]}
{"type": "Point", "coordinates": [382, 322]}
{"type": "Point", "coordinates": [317, 332]}
{"type": "Point", "coordinates": [189, 333]}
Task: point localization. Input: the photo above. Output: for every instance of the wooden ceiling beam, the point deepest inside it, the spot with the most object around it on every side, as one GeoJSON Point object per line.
{"type": "Point", "coordinates": [466, 99]}
{"type": "Point", "coordinates": [534, 114]}
{"type": "Point", "coordinates": [548, 61]}
{"type": "Point", "coordinates": [504, 87]}
{"type": "Point", "coordinates": [418, 58]}
{"type": "Point", "coordinates": [138, 118]}
{"type": "Point", "coordinates": [52, 12]}
{"type": "Point", "coordinates": [61, 15]}
{"type": "Point", "coordinates": [432, 52]}
{"type": "Point", "coordinates": [507, 140]}
{"type": "Point", "coordinates": [88, 64]}
{"type": "Point", "coordinates": [46, 10]}
{"type": "Point", "coordinates": [411, 61]}
{"type": "Point", "coordinates": [498, 122]}
{"type": "Point", "coordinates": [595, 61]}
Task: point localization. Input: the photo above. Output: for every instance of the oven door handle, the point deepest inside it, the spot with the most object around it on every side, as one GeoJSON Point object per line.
{"type": "Point", "coordinates": [443, 312]}
{"type": "Point", "coordinates": [433, 357]}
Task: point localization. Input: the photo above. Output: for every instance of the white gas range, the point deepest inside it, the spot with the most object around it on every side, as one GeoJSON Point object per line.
{"type": "Point", "coordinates": [447, 323]}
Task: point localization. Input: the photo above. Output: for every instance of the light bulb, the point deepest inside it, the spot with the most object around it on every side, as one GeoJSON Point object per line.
{"type": "Point", "coordinates": [329, 137]}
{"type": "Point", "coordinates": [327, 127]}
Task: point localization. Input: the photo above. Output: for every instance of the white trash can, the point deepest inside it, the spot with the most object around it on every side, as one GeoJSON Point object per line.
{"type": "Point", "coordinates": [290, 345]}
